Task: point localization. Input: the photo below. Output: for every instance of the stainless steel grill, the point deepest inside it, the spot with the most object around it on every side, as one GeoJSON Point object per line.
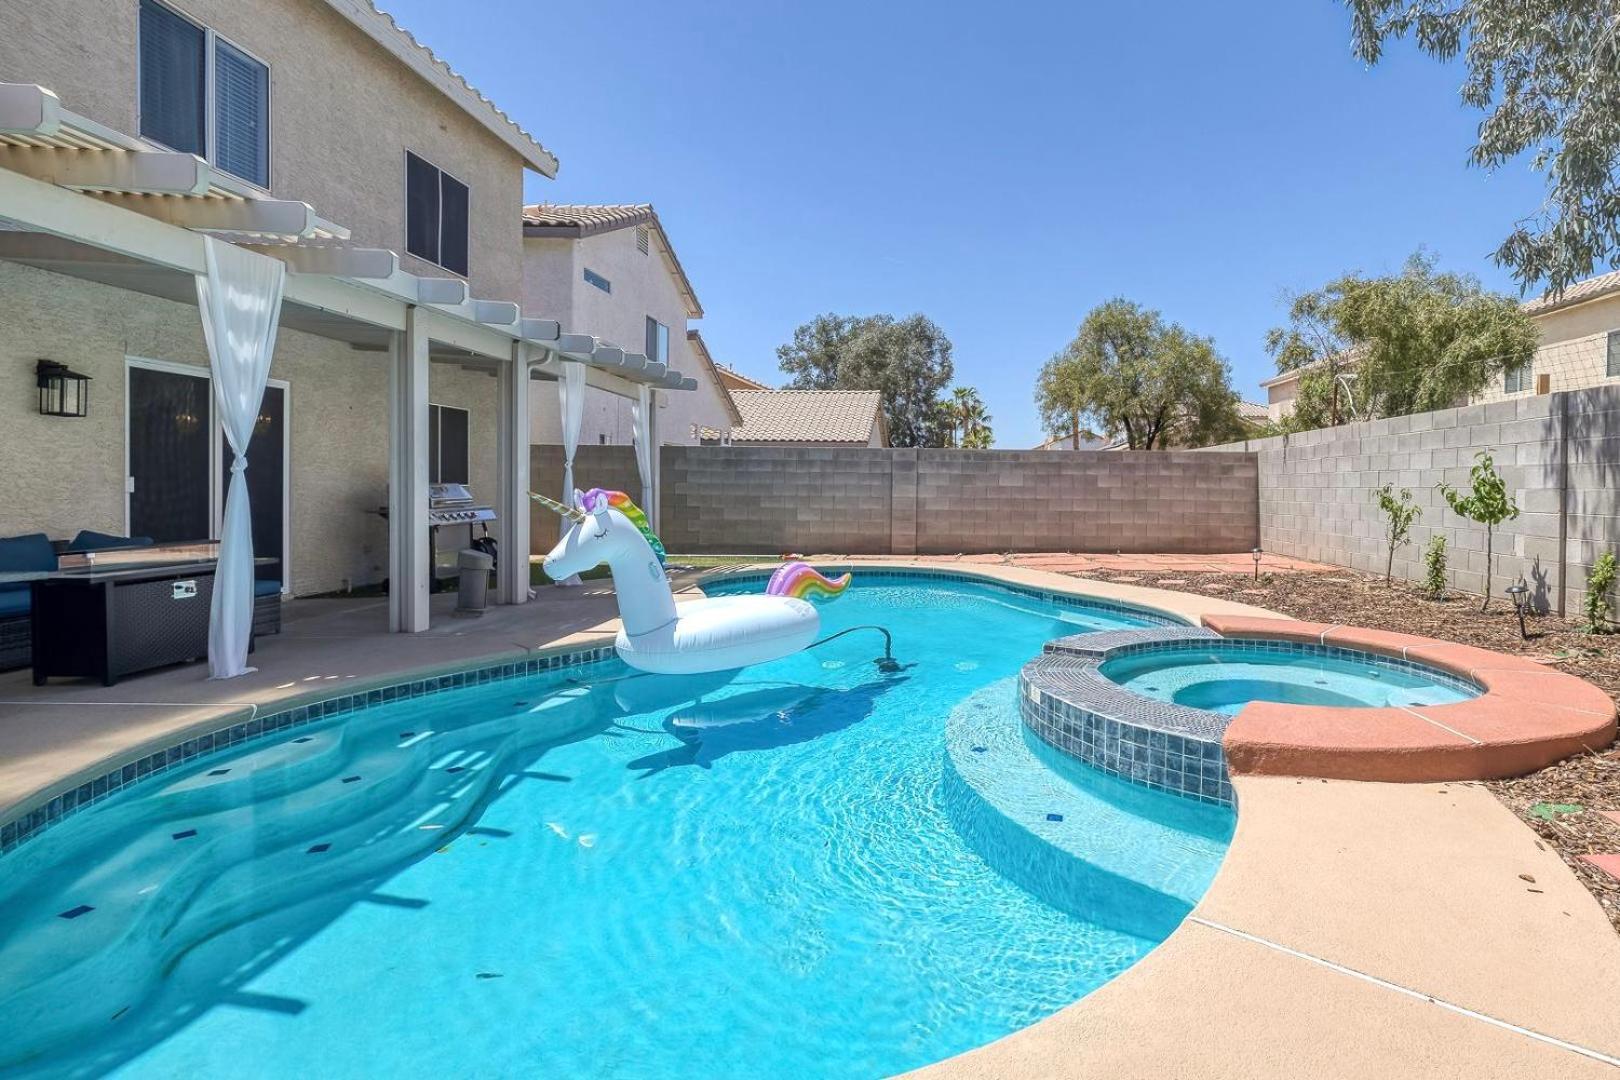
{"type": "Point", "coordinates": [452, 504]}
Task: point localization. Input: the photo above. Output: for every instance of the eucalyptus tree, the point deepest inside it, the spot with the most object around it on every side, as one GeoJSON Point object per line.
{"type": "Point", "coordinates": [1546, 74]}
{"type": "Point", "coordinates": [908, 361]}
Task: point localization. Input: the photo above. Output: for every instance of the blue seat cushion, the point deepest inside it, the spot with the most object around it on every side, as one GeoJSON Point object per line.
{"type": "Point", "coordinates": [27, 553]}
{"type": "Point", "coordinates": [15, 600]}
{"type": "Point", "coordinates": [90, 540]}
{"type": "Point", "coordinates": [267, 587]}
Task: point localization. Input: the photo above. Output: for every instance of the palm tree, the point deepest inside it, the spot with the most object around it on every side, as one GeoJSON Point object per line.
{"type": "Point", "coordinates": [970, 423]}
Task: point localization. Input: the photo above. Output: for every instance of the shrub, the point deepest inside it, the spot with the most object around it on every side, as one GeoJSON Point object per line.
{"type": "Point", "coordinates": [1399, 512]}
{"type": "Point", "coordinates": [1595, 604]}
{"type": "Point", "coordinates": [1487, 502]}
{"type": "Point", "coordinates": [1434, 567]}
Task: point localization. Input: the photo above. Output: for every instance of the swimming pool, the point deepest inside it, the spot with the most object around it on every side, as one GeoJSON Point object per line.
{"type": "Point", "coordinates": [1224, 676]}
{"type": "Point", "coordinates": [815, 868]}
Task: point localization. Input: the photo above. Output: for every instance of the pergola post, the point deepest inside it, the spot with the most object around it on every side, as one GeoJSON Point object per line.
{"type": "Point", "coordinates": [512, 498]}
{"type": "Point", "coordinates": [655, 496]}
{"type": "Point", "coordinates": [408, 569]}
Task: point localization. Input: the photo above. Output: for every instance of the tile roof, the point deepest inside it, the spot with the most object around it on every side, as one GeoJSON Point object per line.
{"type": "Point", "coordinates": [736, 380]}
{"type": "Point", "coordinates": [1248, 410]}
{"type": "Point", "coordinates": [700, 349]}
{"type": "Point", "coordinates": [807, 416]}
{"type": "Point", "coordinates": [580, 220]}
{"type": "Point", "coordinates": [1580, 292]}
{"type": "Point", "coordinates": [385, 31]}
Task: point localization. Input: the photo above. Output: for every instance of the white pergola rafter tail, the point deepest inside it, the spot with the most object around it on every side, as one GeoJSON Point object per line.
{"type": "Point", "coordinates": [605, 355]}
{"type": "Point", "coordinates": [448, 291]}
{"type": "Point", "coordinates": [153, 173]}
{"type": "Point", "coordinates": [257, 217]}
{"type": "Point", "coordinates": [29, 109]}
{"type": "Point", "coordinates": [372, 263]}
{"type": "Point", "coordinates": [541, 330]}
{"type": "Point", "coordinates": [502, 313]}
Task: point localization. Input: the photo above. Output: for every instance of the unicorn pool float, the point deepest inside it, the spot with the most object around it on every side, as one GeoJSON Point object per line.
{"type": "Point", "coordinates": [720, 633]}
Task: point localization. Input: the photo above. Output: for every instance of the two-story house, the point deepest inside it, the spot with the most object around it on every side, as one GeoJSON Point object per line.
{"type": "Point", "coordinates": [614, 269]}
{"type": "Point", "coordinates": [318, 133]}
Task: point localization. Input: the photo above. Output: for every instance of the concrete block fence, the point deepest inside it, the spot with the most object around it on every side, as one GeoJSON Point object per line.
{"type": "Point", "coordinates": [863, 500]}
{"type": "Point", "coordinates": [1560, 456]}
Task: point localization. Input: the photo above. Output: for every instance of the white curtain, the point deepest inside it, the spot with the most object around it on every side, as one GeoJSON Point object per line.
{"type": "Point", "coordinates": [571, 392]}
{"type": "Point", "coordinates": [240, 302]}
{"type": "Point", "coordinates": [641, 415]}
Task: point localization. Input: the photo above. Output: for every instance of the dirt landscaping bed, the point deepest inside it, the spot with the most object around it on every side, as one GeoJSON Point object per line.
{"type": "Point", "coordinates": [1562, 803]}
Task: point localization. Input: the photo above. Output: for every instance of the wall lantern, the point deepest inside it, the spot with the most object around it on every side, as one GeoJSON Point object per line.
{"type": "Point", "coordinates": [62, 392]}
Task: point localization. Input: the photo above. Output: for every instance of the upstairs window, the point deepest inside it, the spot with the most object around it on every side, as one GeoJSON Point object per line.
{"type": "Point", "coordinates": [202, 95]}
{"type": "Point", "coordinates": [1516, 379]}
{"type": "Point", "coordinates": [657, 341]}
{"type": "Point", "coordinates": [1613, 368]}
{"type": "Point", "coordinates": [436, 206]}
{"type": "Point", "coordinates": [593, 278]}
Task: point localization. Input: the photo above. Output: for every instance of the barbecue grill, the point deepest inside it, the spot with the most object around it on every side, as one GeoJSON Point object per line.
{"type": "Point", "coordinates": [453, 504]}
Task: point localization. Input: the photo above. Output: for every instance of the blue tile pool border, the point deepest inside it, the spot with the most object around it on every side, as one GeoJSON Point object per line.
{"type": "Point", "coordinates": [27, 824]}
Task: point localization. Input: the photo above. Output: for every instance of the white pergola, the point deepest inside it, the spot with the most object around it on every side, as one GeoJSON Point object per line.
{"type": "Point", "coordinates": [79, 198]}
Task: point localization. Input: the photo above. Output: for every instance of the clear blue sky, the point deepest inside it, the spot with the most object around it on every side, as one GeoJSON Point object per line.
{"type": "Point", "coordinates": [1000, 168]}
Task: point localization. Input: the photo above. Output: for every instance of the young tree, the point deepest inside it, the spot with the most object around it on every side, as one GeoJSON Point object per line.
{"type": "Point", "coordinates": [1546, 73]}
{"type": "Point", "coordinates": [1422, 339]}
{"type": "Point", "coordinates": [1486, 502]}
{"type": "Point", "coordinates": [1129, 373]}
{"type": "Point", "coordinates": [1399, 512]}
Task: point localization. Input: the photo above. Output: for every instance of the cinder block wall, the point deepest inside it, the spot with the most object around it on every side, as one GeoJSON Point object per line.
{"type": "Point", "coordinates": [769, 500]}
{"type": "Point", "coordinates": [1560, 456]}
{"type": "Point", "coordinates": [611, 467]}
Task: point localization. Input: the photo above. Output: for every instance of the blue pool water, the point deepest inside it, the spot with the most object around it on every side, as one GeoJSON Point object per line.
{"type": "Point", "coordinates": [814, 869]}
{"type": "Point", "coordinates": [1224, 676]}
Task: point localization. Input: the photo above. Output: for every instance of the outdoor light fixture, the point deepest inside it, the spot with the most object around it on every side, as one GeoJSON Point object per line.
{"type": "Point", "coordinates": [1256, 554]}
{"type": "Point", "coordinates": [62, 392]}
{"type": "Point", "coordinates": [1520, 594]}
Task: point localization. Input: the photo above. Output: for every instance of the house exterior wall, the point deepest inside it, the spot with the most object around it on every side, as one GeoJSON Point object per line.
{"type": "Point", "coordinates": [555, 288]}
{"type": "Point", "coordinates": [342, 114]}
{"type": "Point", "coordinates": [857, 500]}
{"type": "Point", "coordinates": [1573, 353]}
{"type": "Point", "coordinates": [1558, 453]}
{"type": "Point", "coordinates": [61, 475]}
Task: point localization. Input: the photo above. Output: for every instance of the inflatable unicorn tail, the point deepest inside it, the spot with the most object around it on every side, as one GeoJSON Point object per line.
{"type": "Point", "coordinates": [802, 582]}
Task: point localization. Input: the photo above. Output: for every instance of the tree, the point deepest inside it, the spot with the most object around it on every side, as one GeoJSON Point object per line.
{"type": "Point", "coordinates": [1399, 512]}
{"type": "Point", "coordinates": [1546, 73]}
{"type": "Point", "coordinates": [970, 421]}
{"type": "Point", "coordinates": [1131, 374]}
{"type": "Point", "coordinates": [1487, 502]}
{"type": "Point", "coordinates": [907, 361]}
{"type": "Point", "coordinates": [1419, 340]}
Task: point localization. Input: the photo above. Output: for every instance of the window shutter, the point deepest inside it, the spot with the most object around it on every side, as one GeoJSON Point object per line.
{"type": "Point", "coordinates": [241, 114]}
{"type": "Point", "coordinates": [453, 224]}
{"type": "Point", "coordinates": [421, 209]}
{"type": "Point", "coordinates": [173, 73]}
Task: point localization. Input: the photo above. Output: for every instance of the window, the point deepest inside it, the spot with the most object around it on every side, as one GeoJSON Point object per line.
{"type": "Point", "coordinates": [1613, 369]}
{"type": "Point", "coordinates": [1516, 379]}
{"type": "Point", "coordinates": [448, 429]}
{"type": "Point", "coordinates": [201, 95]}
{"type": "Point", "coordinates": [593, 278]}
{"type": "Point", "coordinates": [657, 341]}
{"type": "Point", "coordinates": [436, 207]}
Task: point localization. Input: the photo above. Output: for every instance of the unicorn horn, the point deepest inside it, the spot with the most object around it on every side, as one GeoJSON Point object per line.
{"type": "Point", "coordinates": [568, 512]}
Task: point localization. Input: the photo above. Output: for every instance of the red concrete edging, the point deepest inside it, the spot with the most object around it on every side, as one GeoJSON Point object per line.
{"type": "Point", "coordinates": [1529, 715]}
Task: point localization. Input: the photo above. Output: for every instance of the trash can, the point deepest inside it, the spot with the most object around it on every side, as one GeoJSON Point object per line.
{"type": "Point", "coordinates": [473, 595]}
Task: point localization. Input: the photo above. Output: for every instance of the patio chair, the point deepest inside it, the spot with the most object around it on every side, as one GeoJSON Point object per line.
{"type": "Point", "coordinates": [29, 553]}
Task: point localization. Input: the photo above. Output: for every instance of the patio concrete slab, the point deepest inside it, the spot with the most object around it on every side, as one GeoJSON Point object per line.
{"type": "Point", "coordinates": [1210, 1005]}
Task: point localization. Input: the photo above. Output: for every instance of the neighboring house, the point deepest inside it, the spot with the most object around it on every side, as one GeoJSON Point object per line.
{"type": "Point", "coordinates": [1081, 440]}
{"type": "Point", "coordinates": [1580, 347]}
{"type": "Point", "coordinates": [316, 132]}
{"type": "Point", "coordinates": [809, 418]}
{"type": "Point", "coordinates": [612, 268]}
{"type": "Point", "coordinates": [736, 380]}
{"type": "Point", "coordinates": [712, 398]}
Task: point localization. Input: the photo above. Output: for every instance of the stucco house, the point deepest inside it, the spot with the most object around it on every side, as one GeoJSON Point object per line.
{"type": "Point", "coordinates": [135, 134]}
{"type": "Point", "coordinates": [1580, 347]}
{"type": "Point", "coordinates": [612, 267]}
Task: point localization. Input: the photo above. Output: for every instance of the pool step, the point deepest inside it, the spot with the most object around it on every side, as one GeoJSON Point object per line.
{"type": "Point", "coordinates": [1100, 849]}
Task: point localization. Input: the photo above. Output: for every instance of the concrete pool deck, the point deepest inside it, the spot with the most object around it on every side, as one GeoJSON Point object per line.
{"type": "Point", "coordinates": [1355, 929]}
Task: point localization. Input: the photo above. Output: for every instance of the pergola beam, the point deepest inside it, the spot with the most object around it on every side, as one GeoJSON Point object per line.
{"type": "Point", "coordinates": [126, 172]}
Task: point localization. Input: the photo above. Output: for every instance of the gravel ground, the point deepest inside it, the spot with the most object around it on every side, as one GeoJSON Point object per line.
{"type": "Point", "coordinates": [1561, 803]}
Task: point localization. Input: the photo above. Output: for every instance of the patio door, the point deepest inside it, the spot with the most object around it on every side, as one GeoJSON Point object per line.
{"type": "Point", "coordinates": [170, 468]}
{"type": "Point", "coordinates": [179, 463]}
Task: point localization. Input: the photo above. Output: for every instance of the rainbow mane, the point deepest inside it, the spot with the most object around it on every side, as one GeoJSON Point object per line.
{"type": "Point", "coordinates": [803, 582]}
{"type": "Point", "coordinates": [621, 502]}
